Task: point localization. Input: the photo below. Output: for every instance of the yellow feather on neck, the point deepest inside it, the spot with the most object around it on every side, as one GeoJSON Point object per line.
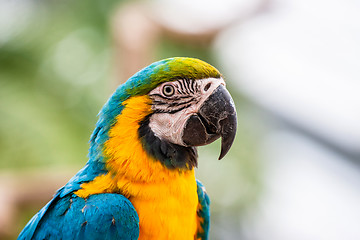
{"type": "Point", "coordinates": [164, 199]}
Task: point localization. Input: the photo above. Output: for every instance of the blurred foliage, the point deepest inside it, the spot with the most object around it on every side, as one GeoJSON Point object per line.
{"type": "Point", "coordinates": [53, 80]}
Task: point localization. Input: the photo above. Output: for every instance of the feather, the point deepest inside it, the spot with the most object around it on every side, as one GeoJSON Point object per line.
{"type": "Point", "coordinates": [101, 216]}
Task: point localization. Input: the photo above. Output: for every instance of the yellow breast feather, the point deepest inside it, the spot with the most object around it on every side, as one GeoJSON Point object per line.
{"type": "Point", "coordinates": [165, 200]}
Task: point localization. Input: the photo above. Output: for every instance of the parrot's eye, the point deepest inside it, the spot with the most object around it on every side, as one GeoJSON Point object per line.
{"type": "Point", "coordinates": [168, 90]}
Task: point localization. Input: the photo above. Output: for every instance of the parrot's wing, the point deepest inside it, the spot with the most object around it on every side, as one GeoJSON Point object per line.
{"type": "Point", "coordinates": [102, 216]}
{"type": "Point", "coordinates": [203, 212]}
{"type": "Point", "coordinates": [28, 232]}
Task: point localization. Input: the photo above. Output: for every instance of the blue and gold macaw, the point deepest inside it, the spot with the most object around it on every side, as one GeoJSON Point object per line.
{"type": "Point", "coordinates": [139, 182]}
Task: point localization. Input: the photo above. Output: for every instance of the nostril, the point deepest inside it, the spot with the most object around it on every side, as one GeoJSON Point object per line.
{"type": "Point", "coordinates": [207, 87]}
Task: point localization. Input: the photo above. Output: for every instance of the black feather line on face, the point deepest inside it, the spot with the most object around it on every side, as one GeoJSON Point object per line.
{"type": "Point", "coordinates": [178, 103]}
{"type": "Point", "coordinates": [171, 155]}
{"type": "Point", "coordinates": [155, 95]}
{"type": "Point", "coordinates": [175, 103]}
{"type": "Point", "coordinates": [172, 111]}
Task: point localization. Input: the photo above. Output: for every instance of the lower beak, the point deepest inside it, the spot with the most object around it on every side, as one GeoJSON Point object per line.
{"type": "Point", "coordinates": [215, 118]}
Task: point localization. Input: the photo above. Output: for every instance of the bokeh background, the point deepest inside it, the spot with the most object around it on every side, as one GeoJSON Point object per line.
{"type": "Point", "coordinates": [292, 67]}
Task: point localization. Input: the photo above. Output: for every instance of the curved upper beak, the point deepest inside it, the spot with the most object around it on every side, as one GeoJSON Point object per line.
{"type": "Point", "coordinates": [215, 118]}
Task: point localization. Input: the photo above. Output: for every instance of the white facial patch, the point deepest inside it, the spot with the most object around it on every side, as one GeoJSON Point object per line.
{"type": "Point", "coordinates": [172, 112]}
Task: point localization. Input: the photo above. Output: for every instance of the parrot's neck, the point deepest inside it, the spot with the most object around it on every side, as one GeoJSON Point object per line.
{"type": "Point", "coordinates": [126, 159]}
{"type": "Point", "coordinates": [164, 198]}
{"type": "Point", "coordinates": [171, 155]}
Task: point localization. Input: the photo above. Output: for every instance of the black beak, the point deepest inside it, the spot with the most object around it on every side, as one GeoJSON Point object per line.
{"type": "Point", "coordinates": [216, 118]}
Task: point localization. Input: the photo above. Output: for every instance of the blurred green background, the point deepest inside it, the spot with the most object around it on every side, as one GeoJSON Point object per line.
{"type": "Point", "coordinates": [56, 71]}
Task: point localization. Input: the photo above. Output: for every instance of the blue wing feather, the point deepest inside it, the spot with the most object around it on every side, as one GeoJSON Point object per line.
{"type": "Point", "coordinates": [101, 216]}
{"type": "Point", "coordinates": [203, 212]}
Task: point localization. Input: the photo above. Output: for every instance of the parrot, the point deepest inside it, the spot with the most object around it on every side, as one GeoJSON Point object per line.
{"type": "Point", "coordinates": [139, 180]}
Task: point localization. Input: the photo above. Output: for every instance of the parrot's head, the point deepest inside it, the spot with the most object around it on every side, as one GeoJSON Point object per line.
{"type": "Point", "coordinates": [186, 105]}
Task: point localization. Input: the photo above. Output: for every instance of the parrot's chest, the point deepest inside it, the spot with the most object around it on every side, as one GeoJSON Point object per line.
{"type": "Point", "coordinates": [168, 213]}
